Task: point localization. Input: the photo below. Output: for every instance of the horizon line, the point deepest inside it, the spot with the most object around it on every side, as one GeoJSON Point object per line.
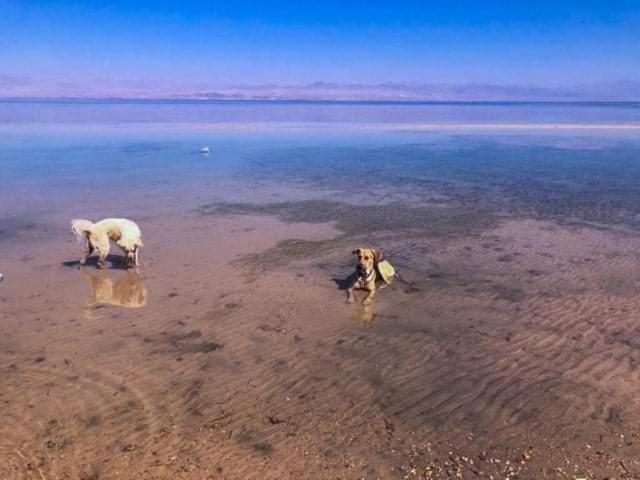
{"type": "Point", "coordinates": [169, 99]}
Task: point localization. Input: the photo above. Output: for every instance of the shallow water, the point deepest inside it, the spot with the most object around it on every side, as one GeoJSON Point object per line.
{"type": "Point", "coordinates": [510, 335]}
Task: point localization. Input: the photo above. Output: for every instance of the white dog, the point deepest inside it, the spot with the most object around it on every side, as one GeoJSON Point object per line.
{"type": "Point", "coordinates": [123, 232]}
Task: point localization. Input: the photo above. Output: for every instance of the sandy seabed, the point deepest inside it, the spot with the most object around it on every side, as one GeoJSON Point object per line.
{"type": "Point", "coordinates": [511, 352]}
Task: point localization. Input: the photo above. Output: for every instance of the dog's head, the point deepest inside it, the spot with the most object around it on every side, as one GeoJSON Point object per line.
{"type": "Point", "coordinates": [130, 253]}
{"type": "Point", "coordinates": [367, 258]}
{"type": "Point", "coordinates": [130, 249]}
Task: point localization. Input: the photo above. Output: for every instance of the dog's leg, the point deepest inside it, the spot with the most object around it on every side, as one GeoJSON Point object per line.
{"type": "Point", "coordinates": [350, 295]}
{"type": "Point", "coordinates": [367, 300]}
{"type": "Point", "coordinates": [352, 280]}
{"type": "Point", "coordinates": [136, 256]}
{"type": "Point", "coordinates": [88, 250]}
{"type": "Point", "coordinates": [102, 247]}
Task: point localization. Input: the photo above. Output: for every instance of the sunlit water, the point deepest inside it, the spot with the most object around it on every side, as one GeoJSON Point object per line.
{"type": "Point", "coordinates": [95, 156]}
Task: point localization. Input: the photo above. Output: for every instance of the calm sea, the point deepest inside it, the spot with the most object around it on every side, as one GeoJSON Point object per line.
{"type": "Point", "coordinates": [102, 158]}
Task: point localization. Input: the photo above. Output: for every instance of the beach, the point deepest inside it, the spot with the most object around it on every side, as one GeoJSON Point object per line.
{"type": "Point", "coordinates": [508, 348]}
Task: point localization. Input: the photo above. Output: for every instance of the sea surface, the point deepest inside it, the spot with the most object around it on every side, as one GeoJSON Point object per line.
{"type": "Point", "coordinates": [57, 152]}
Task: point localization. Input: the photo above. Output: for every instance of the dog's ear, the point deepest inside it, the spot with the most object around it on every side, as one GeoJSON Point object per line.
{"type": "Point", "coordinates": [377, 255]}
{"type": "Point", "coordinates": [356, 252]}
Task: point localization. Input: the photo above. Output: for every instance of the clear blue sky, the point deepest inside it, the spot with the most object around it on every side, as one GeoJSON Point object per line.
{"type": "Point", "coordinates": [244, 42]}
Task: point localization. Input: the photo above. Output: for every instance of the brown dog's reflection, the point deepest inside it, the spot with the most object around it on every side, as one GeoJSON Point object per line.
{"type": "Point", "coordinates": [127, 291]}
{"type": "Point", "coordinates": [364, 315]}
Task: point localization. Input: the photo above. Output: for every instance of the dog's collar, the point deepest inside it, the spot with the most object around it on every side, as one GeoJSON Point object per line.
{"type": "Point", "coordinates": [366, 276]}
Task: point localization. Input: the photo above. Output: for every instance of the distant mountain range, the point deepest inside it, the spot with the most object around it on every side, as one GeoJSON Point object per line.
{"type": "Point", "coordinates": [25, 87]}
{"type": "Point", "coordinates": [619, 91]}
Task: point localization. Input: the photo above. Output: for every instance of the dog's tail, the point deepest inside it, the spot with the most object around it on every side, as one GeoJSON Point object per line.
{"type": "Point", "coordinates": [404, 281]}
{"type": "Point", "coordinates": [81, 228]}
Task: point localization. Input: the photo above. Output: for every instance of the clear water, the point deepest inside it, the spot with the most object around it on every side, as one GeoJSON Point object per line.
{"type": "Point", "coordinates": [106, 158]}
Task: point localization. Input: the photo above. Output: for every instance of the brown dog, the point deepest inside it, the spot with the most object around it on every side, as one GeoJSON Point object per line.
{"type": "Point", "coordinates": [365, 275]}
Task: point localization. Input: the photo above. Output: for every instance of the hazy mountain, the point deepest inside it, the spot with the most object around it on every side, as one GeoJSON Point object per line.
{"type": "Point", "coordinates": [620, 91]}
{"type": "Point", "coordinates": [105, 88]}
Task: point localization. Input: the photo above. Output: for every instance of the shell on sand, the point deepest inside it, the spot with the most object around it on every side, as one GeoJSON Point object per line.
{"type": "Point", "coordinates": [386, 271]}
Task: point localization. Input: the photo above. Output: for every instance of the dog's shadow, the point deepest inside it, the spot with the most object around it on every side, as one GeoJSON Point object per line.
{"type": "Point", "coordinates": [116, 262]}
{"type": "Point", "coordinates": [343, 283]}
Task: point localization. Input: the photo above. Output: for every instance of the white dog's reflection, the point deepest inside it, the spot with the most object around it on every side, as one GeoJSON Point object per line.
{"type": "Point", "coordinates": [127, 291]}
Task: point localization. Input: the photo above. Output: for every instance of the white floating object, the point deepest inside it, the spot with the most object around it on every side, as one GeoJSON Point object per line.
{"type": "Point", "coordinates": [204, 150]}
{"type": "Point", "coordinates": [1, 277]}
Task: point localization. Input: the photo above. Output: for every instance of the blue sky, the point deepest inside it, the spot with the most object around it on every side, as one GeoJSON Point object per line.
{"type": "Point", "coordinates": [196, 44]}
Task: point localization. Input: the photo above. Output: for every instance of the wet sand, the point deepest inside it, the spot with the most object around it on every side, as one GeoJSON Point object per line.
{"type": "Point", "coordinates": [510, 352]}
{"type": "Point", "coordinates": [508, 349]}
